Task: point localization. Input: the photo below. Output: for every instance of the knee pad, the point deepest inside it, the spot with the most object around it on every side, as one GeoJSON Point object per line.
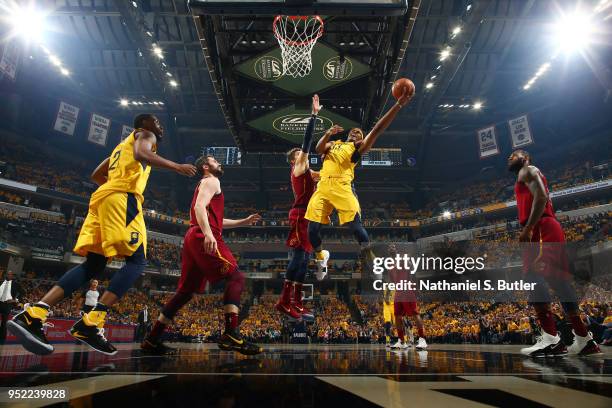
{"type": "Point", "coordinates": [314, 233]}
{"type": "Point", "coordinates": [233, 288]}
{"type": "Point", "coordinates": [360, 233]}
{"type": "Point", "coordinates": [125, 277]}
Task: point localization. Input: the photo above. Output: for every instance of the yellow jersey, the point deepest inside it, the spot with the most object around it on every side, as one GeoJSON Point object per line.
{"type": "Point", "coordinates": [338, 163]}
{"type": "Point", "coordinates": [125, 173]}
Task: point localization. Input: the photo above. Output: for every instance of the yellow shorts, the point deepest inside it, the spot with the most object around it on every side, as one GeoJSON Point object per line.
{"type": "Point", "coordinates": [388, 314]}
{"type": "Point", "coordinates": [114, 226]}
{"type": "Point", "coordinates": [333, 193]}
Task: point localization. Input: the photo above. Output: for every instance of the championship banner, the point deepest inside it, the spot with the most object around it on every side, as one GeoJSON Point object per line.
{"type": "Point", "coordinates": [125, 132]}
{"type": "Point", "coordinates": [10, 59]}
{"type": "Point", "coordinates": [98, 129]}
{"type": "Point", "coordinates": [487, 142]}
{"type": "Point", "coordinates": [66, 118]}
{"type": "Point", "coordinates": [520, 133]}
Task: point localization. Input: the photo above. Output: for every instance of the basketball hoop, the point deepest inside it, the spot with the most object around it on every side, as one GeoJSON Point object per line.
{"type": "Point", "coordinates": [296, 37]}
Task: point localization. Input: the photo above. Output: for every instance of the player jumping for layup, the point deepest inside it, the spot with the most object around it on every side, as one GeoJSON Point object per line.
{"type": "Point", "coordinates": [303, 185]}
{"type": "Point", "coordinates": [206, 257]}
{"type": "Point", "coordinates": [335, 190]}
{"type": "Point", "coordinates": [114, 227]}
{"type": "Point", "coordinates": [545, 260]}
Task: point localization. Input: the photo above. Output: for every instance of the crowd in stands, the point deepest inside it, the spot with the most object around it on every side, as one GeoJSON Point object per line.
{"type": "Point", "coordinates": [445, 322]}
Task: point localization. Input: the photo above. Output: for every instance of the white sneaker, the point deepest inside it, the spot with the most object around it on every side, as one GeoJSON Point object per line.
{"type": "Point", "coordinates": [421, 344]}
{"type": "Point", "coordinates": [397, 345]}
{"type": "Point", "coordinates": [322, 265]}
{"type": "Point", "coordinates": [387, 345]}
{"type": "Point", "coordinates": [404, 346]}
{"type": "Point", "coordinates": [583, 345]}
{"type": "Point", "coordinates": [546, 345]}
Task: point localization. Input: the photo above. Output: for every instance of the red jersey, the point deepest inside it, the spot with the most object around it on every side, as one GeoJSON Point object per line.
{"type": "Point", "coordinates": [215, 211]}
{"type": "Point", "coordinates": [303, 187]}
{"type": "Point", "coordinates": [524, 200]}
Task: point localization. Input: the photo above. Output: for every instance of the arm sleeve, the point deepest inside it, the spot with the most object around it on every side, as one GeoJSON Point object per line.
{"type": "Point", "coordinates": [308, 134]}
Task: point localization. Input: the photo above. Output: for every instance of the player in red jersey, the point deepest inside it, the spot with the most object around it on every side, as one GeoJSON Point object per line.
{"type": "Point", "coordinates": [206, 258]}
{"type": "Point", "coordinates": [303, 185]}
{"type": "Point", "coordinates": [405, 306]}
{"type": "Point", "coordinates": [546, 261]}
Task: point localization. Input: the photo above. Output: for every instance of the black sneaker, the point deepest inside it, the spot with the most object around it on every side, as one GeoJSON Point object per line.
{"type": "Point", "coordinates": [93, 336]}
{"type": "Point", "coordinates": [29, 330]}
{"type": "Point", "coordinates": [157, 348]}
{"type": "Point", "coordinates": [233, 341]}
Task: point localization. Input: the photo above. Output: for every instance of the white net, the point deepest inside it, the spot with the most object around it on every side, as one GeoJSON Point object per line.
{"type": "Point", "coordinates": [296, 36]}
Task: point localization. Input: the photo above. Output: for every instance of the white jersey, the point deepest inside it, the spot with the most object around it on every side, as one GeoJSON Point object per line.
{"type": "Point", "coordinates": [91, 297]}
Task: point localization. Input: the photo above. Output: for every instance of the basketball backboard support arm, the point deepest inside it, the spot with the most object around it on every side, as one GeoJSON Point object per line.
{"type": "Point", "coordinates": [301, 7]}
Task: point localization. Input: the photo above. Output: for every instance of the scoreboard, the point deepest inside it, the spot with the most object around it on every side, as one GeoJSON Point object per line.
{"type": "Point", "coordinates": [229, 156]}
{"type": "Point", "coordinates": [383, 156]}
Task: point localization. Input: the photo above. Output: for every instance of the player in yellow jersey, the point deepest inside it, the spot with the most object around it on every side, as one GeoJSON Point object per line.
{"type": "Point", "coordinates": [114, 227]}
{"type": "Point", "coordinates": [388, 315]}
{"type": "Point", "coordinates": [335, 188]}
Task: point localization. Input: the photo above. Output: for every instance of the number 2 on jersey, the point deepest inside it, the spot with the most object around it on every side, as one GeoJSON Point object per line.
{"type": "Point", "coordinates": [113, 164]}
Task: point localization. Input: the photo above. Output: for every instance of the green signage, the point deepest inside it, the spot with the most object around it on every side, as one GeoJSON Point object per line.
{"type": "Point", "coordinates": [327, 70]}
{"type": "Point", "coordinates": [290, 123]}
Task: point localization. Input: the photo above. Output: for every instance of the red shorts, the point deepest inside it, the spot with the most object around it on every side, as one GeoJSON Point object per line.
{"type": "Point", "coordinates": [198, 267]}
{"type": "Point", "coordinates": [298, 234]}
{"type": "Point", "coordinates": [405, 304]}
{"type": "Point", "coordinates": [546, 255]}
{"type": "Point", "coordinates": [405, 309]}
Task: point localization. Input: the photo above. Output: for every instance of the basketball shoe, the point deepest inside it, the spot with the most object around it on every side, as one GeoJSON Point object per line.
{"type": "Point", "coordinates": [28, 327]}
{"type": "Point", "coordinates": [546, 346]}
{"type": "Point", "coordinates": [421, 344]}
{"type": "Point", "coordinates": [156, 347]}
{"type": "Point", "coordinates": [233, 341]}
{"type": "Point", "coordinates": [583, 346]}
{"type": "Point", "coordinates": [89, 329]}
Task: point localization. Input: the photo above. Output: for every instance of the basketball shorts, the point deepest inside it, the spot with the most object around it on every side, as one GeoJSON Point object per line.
{"type": "Point", "coordinates": [333, 193]}
{"type": "Point", "coordinates": [198, 267]}
{"type": "Point", "coordinates": [388, 311]}
{"type": "Point", "coordinates": [298, 232]}
{"type": "Point", "coordinates": [546, 255]}
{"type": "Point", "coordinates": [405, 309]}
{"type": "Point", "coordinates": [114, 226]}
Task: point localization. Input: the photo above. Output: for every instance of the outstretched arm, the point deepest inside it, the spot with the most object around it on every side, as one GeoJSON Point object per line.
{"type": "Point", "coordinates": [301, 162]}
{"type": "Point", "coordinates": [250, 220]}
{"type": "Point", "coordinates": [383, 123]}
{"type": "Point", "coordinates": [143, 152]}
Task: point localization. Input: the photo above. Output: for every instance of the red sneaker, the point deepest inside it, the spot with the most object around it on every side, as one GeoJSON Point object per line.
{"type": "Point", "coordinates": [287, 310]}
{"type": "Point", "coordinates": [303, 311]}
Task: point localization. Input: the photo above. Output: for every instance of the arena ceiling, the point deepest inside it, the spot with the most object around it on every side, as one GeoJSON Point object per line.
{"type": "Point", "coordinates": [109, 45]}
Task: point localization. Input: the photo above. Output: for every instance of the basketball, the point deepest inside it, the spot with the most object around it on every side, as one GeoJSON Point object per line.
{"type": "Point", "coordinates": [399, 85]}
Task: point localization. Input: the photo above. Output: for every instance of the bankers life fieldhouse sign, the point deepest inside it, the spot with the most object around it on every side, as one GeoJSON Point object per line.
{"type": "Point", "coordinates": [290, 123]}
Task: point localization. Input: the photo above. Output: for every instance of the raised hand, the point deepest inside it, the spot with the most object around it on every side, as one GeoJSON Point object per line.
{"type": "Point", "coordinates": [315, 105]}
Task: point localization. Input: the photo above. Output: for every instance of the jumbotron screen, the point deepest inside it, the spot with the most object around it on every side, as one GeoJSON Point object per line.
{"type": "Point", "coordinates": [229, 156]}
{"type": "Point", "coordinates": [382, 157]}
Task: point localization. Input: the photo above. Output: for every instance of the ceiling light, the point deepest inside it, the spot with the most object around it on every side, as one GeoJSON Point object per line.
{"type": "Point", "coordinates": [173, 83]}
{"type": "Point", "coordinates": [573, 32]}
{"type": "Point", "coordinates": [456, 30]}
{"type": "Point", "coordinates": [64, 71]}
{"type": "Point", "coordinates": [429, 85]}
{"type": "Point", "coordinates": [445, 54]}
{"type": "Point", "coordinates": [124, 102]}
{"type": "Point", "coordinates": [168, 74]}
{"type": "Point", "coordinates": [477, 105]}
{"type": "Point", "coordinates": [26, 22]}
{"type": "Point", "coordinates": [54, 60]}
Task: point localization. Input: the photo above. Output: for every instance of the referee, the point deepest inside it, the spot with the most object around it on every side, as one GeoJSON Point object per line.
{"type": "Point", "coordinates": [91, 297]}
